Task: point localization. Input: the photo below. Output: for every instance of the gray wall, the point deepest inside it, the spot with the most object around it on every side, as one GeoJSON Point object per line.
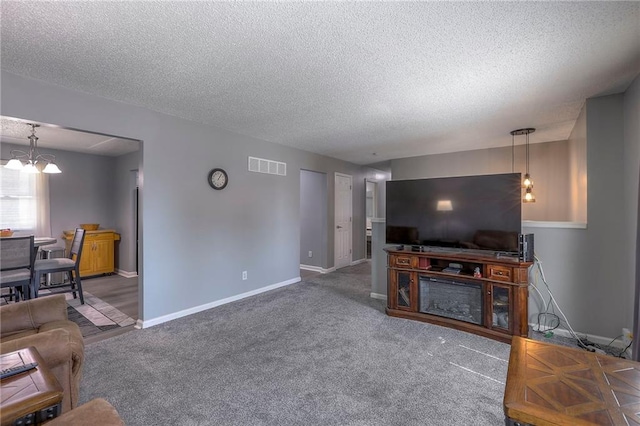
{"type": "Point", "coordinates": [606, 234]}
{"type": "Point", "coordinates": [548, 165]}
{"type": "Point", "coordinates": [378, 258]}
{"type": "Point", "coordinates": [578, 169]}
{"type": "Point", "coordinates": [196, 241]}
{"type": "Point", "coordinates": [631, 182]}
{"type": "Point", "coordinates": [313, 218]}
{"type": "Point", "coordinates": [126, 169]}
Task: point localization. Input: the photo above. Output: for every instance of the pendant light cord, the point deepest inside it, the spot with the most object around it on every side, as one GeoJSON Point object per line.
{"type": "Point", "coordinates": [527, 155]}
{"type": "Point", "coordinates": [512, 150]}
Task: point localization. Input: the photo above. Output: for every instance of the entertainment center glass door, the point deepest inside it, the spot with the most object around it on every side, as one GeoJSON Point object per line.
{"type": "Point", "coordinates": [404, 290]}
{"type": "Point", "coordinates": [500, 307]}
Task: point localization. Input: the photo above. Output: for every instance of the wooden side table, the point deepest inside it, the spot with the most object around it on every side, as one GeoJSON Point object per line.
{"type": "Point", "coordinates": [29, 398]}
{"type": "Point", "coordinates": [556, 385]}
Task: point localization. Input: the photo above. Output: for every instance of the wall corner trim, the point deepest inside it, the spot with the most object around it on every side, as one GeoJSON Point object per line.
{"type": "Point", "coordinates": [126, 274]}
{"type": "Point", "coordinates": [316, 269]}
{"type": "Point", "coordinates": [378, 296]}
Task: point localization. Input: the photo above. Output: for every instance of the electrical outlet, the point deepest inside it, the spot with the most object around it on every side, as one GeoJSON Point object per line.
{"type": "Point", "coordinates": [310, 253]}
{"type": "Point", "coordinates": [244, 275]}
{"type": "Point", "coordinates": [627, 336]}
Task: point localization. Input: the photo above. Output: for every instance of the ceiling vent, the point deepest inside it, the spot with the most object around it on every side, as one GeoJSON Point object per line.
{"type": "Point", "coordinates": [261, 165]}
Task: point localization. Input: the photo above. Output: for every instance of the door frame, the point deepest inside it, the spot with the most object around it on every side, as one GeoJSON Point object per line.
{"type": "Point", "coordinates": [375, 210]}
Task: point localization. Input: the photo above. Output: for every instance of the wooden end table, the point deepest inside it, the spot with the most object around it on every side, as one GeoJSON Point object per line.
{"type": "Point", "coordinates": [556, 385]}
{"type": "Point", "coordinates": [28, 398]}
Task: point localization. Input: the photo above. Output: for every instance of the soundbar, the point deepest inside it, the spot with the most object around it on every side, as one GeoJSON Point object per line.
{"type": "Point", "coordinates": [525, 248]}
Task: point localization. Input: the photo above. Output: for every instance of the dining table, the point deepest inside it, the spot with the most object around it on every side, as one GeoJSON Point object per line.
{"type": "Point", "coordinates": [43, 241]}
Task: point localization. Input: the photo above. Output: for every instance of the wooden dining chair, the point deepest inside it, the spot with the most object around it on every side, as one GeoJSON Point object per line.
{"type": "Point", "coordinates": [16, 264]}
{"type": "Point", "coordinates": [69, 265]}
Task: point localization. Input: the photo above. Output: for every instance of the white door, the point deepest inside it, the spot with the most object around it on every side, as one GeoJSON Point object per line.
{"type": "Point", "coordinates": [342, 220]}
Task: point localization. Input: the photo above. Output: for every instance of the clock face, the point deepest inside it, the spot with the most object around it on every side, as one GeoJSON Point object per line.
{"type": "Point", "coordinates": [218, 178]}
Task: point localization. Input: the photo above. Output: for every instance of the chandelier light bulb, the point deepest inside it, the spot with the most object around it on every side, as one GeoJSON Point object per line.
{"type": "Point", "coordinates": [51, 168]}
{"type": "Point", "coordinates": [14, 164]}
{"type": "Point", "coordinates": [529, 197]}
{"type": "Point", "coordinates": [30, 168]}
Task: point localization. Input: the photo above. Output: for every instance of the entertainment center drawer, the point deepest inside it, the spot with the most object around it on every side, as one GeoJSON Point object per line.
{"type": "Point", "coordinates": [500, 273]}
{"type": "Point", "coordinates": [401, 261]}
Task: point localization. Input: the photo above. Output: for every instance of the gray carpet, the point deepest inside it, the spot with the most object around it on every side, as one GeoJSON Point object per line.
{"type": "Point", "coordinates": [320, 352]}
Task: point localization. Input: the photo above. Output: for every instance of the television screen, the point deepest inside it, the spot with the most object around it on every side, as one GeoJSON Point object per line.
{"type": "Point", "coordinates": [469, 212]}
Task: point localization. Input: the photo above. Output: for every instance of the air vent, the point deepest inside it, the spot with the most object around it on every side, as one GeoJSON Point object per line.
{"type": "Point", "coordinates": [261, 165]}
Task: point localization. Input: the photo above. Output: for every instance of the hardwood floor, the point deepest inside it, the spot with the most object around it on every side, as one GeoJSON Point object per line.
{"type": "Point", "coordinates": [119, 292]}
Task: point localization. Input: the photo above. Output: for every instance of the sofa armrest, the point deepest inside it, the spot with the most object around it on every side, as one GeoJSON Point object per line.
{"type": "Point", "coordinates": [95, 412]}
{"type": "Point", "coordinates": [31, 314]}
{"type": "Point", "coordinates": [55, 346]}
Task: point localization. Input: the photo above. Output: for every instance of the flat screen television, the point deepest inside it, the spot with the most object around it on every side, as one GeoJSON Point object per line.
{"type": "Point", "coordinates": [467, 212]}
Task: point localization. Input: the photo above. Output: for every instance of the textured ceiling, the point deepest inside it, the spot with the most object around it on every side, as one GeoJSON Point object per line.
{"type": "Point", "coordinates": [18, 131]}
{"type": "Point", "coordinates": [344, 79]}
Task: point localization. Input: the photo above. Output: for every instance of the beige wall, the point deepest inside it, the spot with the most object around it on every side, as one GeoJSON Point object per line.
{"type": "Point", "coordinates": [578, 169]}
{"type": "Point", "coordinates": [549, 166]}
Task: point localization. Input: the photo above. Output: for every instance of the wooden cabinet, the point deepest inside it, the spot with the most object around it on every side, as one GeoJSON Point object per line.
{"type": "Point", "coordinates": [403, 290]}
{"type": "Point", "coordinates": [472, 291]}
{"type": "Point", "coordinates": [98, 251]}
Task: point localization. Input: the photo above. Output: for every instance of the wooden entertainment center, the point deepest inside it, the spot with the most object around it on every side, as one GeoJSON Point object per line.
{"type": "Point", "coordinates": [481, 292]}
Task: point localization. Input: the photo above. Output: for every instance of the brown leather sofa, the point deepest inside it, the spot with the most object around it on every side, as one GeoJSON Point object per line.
{"type": "Point", "coordinates": [43, 324]}
{"type": "Point", "coordinates": [96, 412]}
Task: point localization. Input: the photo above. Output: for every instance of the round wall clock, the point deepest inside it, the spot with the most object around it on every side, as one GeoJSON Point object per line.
{"type": "Point", "coordinates": [218, 179]}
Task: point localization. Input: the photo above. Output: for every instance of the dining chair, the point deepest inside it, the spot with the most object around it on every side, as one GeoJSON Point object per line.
{"type": "Point", "coordinates": [69, 265]}
{"type": "Point", "coordinates": [16, 264]}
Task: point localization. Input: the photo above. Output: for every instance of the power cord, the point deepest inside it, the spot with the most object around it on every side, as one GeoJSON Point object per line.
{"type": "Point", "coordinates": [583, 342]}
{"type": "Point", "coordinates": [580, 342]}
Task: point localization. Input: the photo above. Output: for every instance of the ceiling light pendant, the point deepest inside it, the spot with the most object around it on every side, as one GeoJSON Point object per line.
{"type": "Point", "coordinates": [527, 182]}
{"type": "Point", "coordinates": [33, 159]}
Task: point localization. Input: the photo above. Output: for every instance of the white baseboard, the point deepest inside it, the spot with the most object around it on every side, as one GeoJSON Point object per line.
{"type": "Point", "coordinates": [357, 262]}
{"type": "Point", "coordinates": [126, 274]}
{"type": "Point", "coordinates": [316, 269]}
{"type": "Point", "coordinates": [196, 309]}
{"type": "Point", "coordinates": [378, 296]}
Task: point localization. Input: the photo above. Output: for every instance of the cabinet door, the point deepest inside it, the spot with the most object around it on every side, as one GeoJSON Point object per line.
{"type": "Point", "coordinates": [403, 292]}
{"type": "Point", "coordinates": [86, 257]}
{"type": "Point", "coordinates": [103, 256]}
{"type": "Point", "coordinates": [500, 302]}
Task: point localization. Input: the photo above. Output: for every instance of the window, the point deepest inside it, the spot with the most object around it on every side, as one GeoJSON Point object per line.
{"type": "Point", "coordinates": [18, 201]}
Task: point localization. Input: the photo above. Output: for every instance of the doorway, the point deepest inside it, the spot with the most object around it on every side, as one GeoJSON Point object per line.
{"type": "Point", "coordinates": [108, 167]}
{"type": "Point", "coordinates": [343, 220]}
{"type": "Point", "coordinates": [371, 211]}
{"type": "Point", "coordinates": [313, 221]}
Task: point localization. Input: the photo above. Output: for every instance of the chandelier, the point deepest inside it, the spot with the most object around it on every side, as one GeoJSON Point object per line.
{"type": "Point", "coordinates": [33, 159]}
{"type": "Point", "coordinates": [527, 183]}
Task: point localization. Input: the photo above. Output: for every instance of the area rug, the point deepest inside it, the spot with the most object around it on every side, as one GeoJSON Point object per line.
{"type": "Point", "coordinates": [96, 315]}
